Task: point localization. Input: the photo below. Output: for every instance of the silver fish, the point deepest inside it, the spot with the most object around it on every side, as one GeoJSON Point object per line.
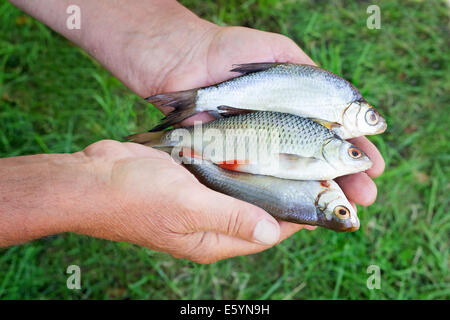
{"type": "Point", "coordinates": [303, 90]}
{"type": "Point", "coordinates": [316, 203]}
{"type": "Point", "coordinates": [268, 143]}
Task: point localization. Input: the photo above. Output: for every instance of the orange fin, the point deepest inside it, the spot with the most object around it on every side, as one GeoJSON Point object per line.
{"type": "Point", "coordinates": [324, 183]}
{"type": "Point", "coordinates": [189, 153]}
{"type": "Point", "coordinates": [233, 165]}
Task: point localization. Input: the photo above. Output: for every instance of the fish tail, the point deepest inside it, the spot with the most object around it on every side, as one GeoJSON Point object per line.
{"type": "Point", "coordinates": [147, 138]}
{"type": "Point", "coordinates": [183, 103]}
{"type": "Point", "coordinates": [151, 139]}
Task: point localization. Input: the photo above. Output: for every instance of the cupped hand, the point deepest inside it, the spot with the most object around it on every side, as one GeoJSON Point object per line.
{"type": "Point", "coordinates": [154, 202]}
{"type": "Point", "coordinates": [140, 194]}
{"type": "Point", "coordinates": [210, 60]}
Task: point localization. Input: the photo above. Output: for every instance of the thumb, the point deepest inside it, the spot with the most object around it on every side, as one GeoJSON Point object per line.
{"type": "Point", "coordinates": [213, 211]}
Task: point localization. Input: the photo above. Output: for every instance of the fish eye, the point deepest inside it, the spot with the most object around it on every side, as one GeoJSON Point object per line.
{"type": "Point", "coordinates": [354, 153]}
{"type": "Point", "coordinates": [372, 117]}
{"type": "Point", "coordinates": [342, 212]}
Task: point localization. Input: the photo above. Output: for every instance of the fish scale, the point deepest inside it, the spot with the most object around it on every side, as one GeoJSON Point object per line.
{"type": "Point", "coordinates": [305, 202]}
{"type": "Point", "coordinates": [302, 90]}
{"type": "Point", "coordinates": [283, 86]}
{"type": "Point", "coordinates": [297, 135]}
{"type": "Point", "coordinates": [279, 145]}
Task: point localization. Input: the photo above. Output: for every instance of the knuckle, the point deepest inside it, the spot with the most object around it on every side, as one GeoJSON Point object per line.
{"type": "Point", "coordinates": [234, 223]}
{"type": "Point", "coordinates": [107, 144]}
{"type": "Point", "coordinates": [101, 147]}
{"type": "Point", "coordinates": [204, 249]}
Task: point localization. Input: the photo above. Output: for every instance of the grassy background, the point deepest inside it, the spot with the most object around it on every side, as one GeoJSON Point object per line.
{"type": "Point", "coordinates": [54, 98]}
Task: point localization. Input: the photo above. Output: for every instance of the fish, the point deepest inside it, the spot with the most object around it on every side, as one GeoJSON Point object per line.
{"type": "Point", "coordinates": [315, 203]}
{"type": "Point", "coordinates": [302, 90]}
{"type": "Point", "coordinates": [266, 143]}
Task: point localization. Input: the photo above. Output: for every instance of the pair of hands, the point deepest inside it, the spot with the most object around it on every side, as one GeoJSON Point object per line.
{"type": "Point", "coordinates": [163, 206]}
{"type": "Point", "coordinates": [129, 192]}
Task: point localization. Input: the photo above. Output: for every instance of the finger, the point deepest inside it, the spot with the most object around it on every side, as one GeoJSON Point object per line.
{"type": "Point", "coordinates": [359, 188]}
{"type": "Point", "coordinates": [372, 152]}
{"type": "Point", "coordinates": [285, 49]}
{"type": "Point", "coordinates": [287, 229]}
{"type": "Point", "coordinates": [213, 211]}
{"type": "Point", "coordinates": [213, 246]}
{"type": "Point", "coordinates": [103, 148]}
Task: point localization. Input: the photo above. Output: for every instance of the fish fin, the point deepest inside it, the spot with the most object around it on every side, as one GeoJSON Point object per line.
{"type": "Point", "coordinates": [230, 111]}
{"type": "Point", "coordinates": [167, 149]}
{"type": "Point", "coordinates": [147, 138]}
{"type": "Point", "coordinates": [326, 124]}
{"type": "Point", "coordinates": [183, 103]}
{"type": "Point", "coordinates": [246, 68]}
{"type": "Point", "coordinates": [309, 168]}
{"type": "Point", "coordinates": [150, 139]}
{"type": "Point", "coordinates": [215, 114]}
{"type": "Point", "coordinates": [290, 161]}
{"type": "Point", "coordinates": [325, 183]}
{"type": "Point", "coordinates": [233, 165]}
{"type": "Point", "coordinates": [289, 156]}
{"type": "Point", "coordinates": [189, 153]}
{"type": "Point", "coordinates": [190, 156]}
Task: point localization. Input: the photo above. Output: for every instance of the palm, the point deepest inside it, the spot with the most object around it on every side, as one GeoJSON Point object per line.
{"type": "Point", "coordinates": [233, 45]}
{"type": "Point", "coordinates": [134, 165]}
{"type": "Point", "coordinates": [156, 196]}
{"type": "Point", "coordinates": [227, 46]}
{"type": "Point", "coordinates": [212, 62]}
{"type": "Point", "coordinates": [137, 168]}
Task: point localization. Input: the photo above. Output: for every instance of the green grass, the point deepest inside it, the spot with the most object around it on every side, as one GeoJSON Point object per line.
{"type": "Point", "coordinates": [54, 98]}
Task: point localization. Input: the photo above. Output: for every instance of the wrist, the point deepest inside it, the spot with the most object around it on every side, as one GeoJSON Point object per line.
{"type": "Point", "coordinates": [46, 194]}
{"type": "Point", "coordinates": [141, 43]}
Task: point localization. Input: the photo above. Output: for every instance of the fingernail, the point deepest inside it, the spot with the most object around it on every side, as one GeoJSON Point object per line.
{"type": "Point", "coordinates": [266, 232]}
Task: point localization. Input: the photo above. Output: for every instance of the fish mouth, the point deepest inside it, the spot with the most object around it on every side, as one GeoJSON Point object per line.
{"type": "Point", "coordinates": [382, 126]}
{"type": "Point", "coordinates": [345, 228]}
{"type": "Point", "coordinates": [354, 224]}
{"type": "Point", "coordinates": [354, 228]}
{"type": "Point", "coordinates": [339, 226]}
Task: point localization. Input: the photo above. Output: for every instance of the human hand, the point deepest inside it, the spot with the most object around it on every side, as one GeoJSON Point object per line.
{"type": "Point", "coordinates": [205, 55]}
{"type": "Point", "coordinates": [152, 201]}
{"type": "Point", "coordinates": [175, 50]}
{"type": "Point", "coordinates": [129, 192]}
{"type": "Point", "coordinates": [225, 46]}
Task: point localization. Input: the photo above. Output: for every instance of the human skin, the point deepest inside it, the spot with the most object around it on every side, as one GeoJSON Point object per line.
{"type": "Point", "coordinates": [129, 192]}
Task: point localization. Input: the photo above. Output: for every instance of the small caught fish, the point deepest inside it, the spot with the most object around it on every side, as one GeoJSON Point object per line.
{"type": "Point", "coordinates": [268, 143]}
{"type": "Point", "coordinates": [302, 90]}
{"type": "Point", "coordinates": [316, 203]}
